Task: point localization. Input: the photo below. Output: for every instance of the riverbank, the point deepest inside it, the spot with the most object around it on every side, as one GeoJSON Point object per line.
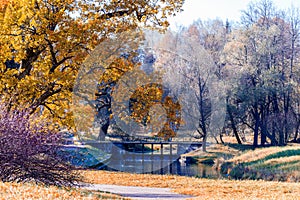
{"type": "Point", "coordinates": [197, 187]}
{"type": "Point", "coordinates": [282, 162]}
{"type": "Point", "coordinates": [271, 163]}
{"type": "Point", "coordinates": [214, 152]}
{"type": "Point", "coordinates": [200, 188]}
{"type": "Point", "coordinates": [242, 162]}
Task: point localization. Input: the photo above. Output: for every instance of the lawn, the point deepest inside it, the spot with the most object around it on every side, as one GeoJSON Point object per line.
{"type": "Point", "coordinates": [200, 188]}
{"type": "Point", "coordinates": [282, 161]}
{"type": "Point", "coordinates": [25, 191]}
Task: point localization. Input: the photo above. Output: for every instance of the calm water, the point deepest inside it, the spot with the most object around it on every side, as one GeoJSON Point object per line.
{"type": "Point", "coordinates": [157, 165]}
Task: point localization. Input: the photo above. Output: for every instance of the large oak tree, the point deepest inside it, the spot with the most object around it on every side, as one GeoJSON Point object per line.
{"type": "Point", "coordinates": [44, 42]}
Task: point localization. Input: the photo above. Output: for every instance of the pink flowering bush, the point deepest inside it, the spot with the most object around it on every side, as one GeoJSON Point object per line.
{"type": "Point", "coordinates": [28, 152]}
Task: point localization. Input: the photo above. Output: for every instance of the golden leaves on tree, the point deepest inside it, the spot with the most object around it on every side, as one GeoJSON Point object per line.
{"type": "Point", "coordinates": [44, 43]}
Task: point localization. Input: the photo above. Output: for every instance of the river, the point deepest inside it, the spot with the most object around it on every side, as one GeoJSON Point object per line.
{"type": "Point", "coordinates": [172, 166]}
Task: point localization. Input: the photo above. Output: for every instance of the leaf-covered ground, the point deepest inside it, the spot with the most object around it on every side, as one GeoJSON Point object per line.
{"type": "Point", "coordinates": [19, 191]}
{"type": "Point", "coordinates": [201, 188]}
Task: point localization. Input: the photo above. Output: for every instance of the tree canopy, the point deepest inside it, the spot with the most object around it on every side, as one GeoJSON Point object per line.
{"type": "Point", "coordinates": [44, 42]}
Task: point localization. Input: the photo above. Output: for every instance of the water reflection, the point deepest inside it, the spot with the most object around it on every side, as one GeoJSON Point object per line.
{"type": "Point", "coordinates": [163, 167]}
{"type": "Point", "coordinates": [161, 161]}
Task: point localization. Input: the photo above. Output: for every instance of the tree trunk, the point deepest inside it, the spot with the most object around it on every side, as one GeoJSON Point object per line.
{"type": "Point", "coordinates": [263, 138]}
{"type": "Point", "coordinates": [221, 138]}
{"type": "Point", "coordinates": [286, 111]}
{"type": "Point", "coordinates": [204, 143]}
{"type": "Point", "coordinates": [216, 139]}
{"type": "Point", "coordinates": [263, 126]}
{"type": "Point", "coordinates": [281, 138]}
{"type": "Point", "coordinates": [256, 126]}
{"type": "Point", "coordinates": [296, 132]}
{"type": "Point", "coordinates": [103, 131]}
{"type": "Point", "coordinates": [274, 134]}
{"type": "Point", "coordinates": [233, 126]}
{"type": "Point", "coordinates": [255, 137]}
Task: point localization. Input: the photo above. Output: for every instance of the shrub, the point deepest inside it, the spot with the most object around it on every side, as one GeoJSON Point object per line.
{"type": "Point", "coordinates": [226, 167]}
{"type": "Point", "coordinates": [28, 151]}
{"type": "Point", "coordinates": [237, 172]}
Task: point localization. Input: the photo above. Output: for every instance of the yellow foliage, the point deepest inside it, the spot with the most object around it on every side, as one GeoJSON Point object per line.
{"type": "Point", "coordinates": [142, 99]}
{"type": "Point", "coordinates": [47, 41]}
{"type": "Point", "coordinates": [145, 98]}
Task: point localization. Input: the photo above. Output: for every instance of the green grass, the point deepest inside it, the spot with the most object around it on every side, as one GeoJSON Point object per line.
{"type": "Point", "coordinates": [277, 166]}
{"type": "Point", "coordinates": [88, 157]}
{"type": "Point", "coordinates": [280, 154]}
{"type": "Point", "coordinates": [273, 163]}
{"type": "Point", "coordinates": [287, 153]}
{"type": "Point", "coordinates": [213, 153]}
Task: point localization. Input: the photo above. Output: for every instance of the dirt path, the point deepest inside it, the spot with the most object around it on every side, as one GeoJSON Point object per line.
{"type": "Point", "coordinates": [141, 193]}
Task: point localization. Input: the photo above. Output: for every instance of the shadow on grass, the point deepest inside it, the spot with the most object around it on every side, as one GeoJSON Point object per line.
{"type": "Point", "coordinates": [240, 147]}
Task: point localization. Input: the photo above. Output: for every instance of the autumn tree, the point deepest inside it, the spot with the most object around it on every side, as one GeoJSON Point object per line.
{"type": "Point", "coordinates": [293, 17]}
{"type": "Point", "coordinates": [261, 52]}
{"type": "Point", "coordinates": [121, 90]}
{"type": "Point", "coordinates": [43, 44]}
{"type": "Point", "coordinates": [148, 102]}
{"type": "Point", "coordinates": [190, 73]}
{"type": "Point", "coordinates": [212, 35]}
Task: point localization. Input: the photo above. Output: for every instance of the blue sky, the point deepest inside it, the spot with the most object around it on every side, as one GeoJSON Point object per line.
{"type": "Point", "coordinates": [223, 9]}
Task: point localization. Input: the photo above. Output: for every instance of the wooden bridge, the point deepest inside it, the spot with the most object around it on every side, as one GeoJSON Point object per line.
{"type": "Point", "coordinates": [146, 149]}
{"type": "Point", "coordinates": [148, 154]}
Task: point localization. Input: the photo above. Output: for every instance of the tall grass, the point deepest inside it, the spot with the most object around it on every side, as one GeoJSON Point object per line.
{"type": "Point", "coordinates": [273, 163]}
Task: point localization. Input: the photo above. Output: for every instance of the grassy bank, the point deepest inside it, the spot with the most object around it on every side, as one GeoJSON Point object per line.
{"type": "Point", "coordinates": [213, 153]}
{"type": "Point", "coordinates": [243, 162]}
{"type": "Point", "coordinates": [200, 188]}
{"type": "Point", "coordinates": [272, 163]}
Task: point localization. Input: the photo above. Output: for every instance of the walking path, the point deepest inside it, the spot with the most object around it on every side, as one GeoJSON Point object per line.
{"type": "Point", "coordinates": [141, 193]}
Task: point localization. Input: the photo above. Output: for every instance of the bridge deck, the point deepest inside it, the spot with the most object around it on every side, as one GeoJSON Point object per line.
{"type": "Point", "coordinates": [146, 142]}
